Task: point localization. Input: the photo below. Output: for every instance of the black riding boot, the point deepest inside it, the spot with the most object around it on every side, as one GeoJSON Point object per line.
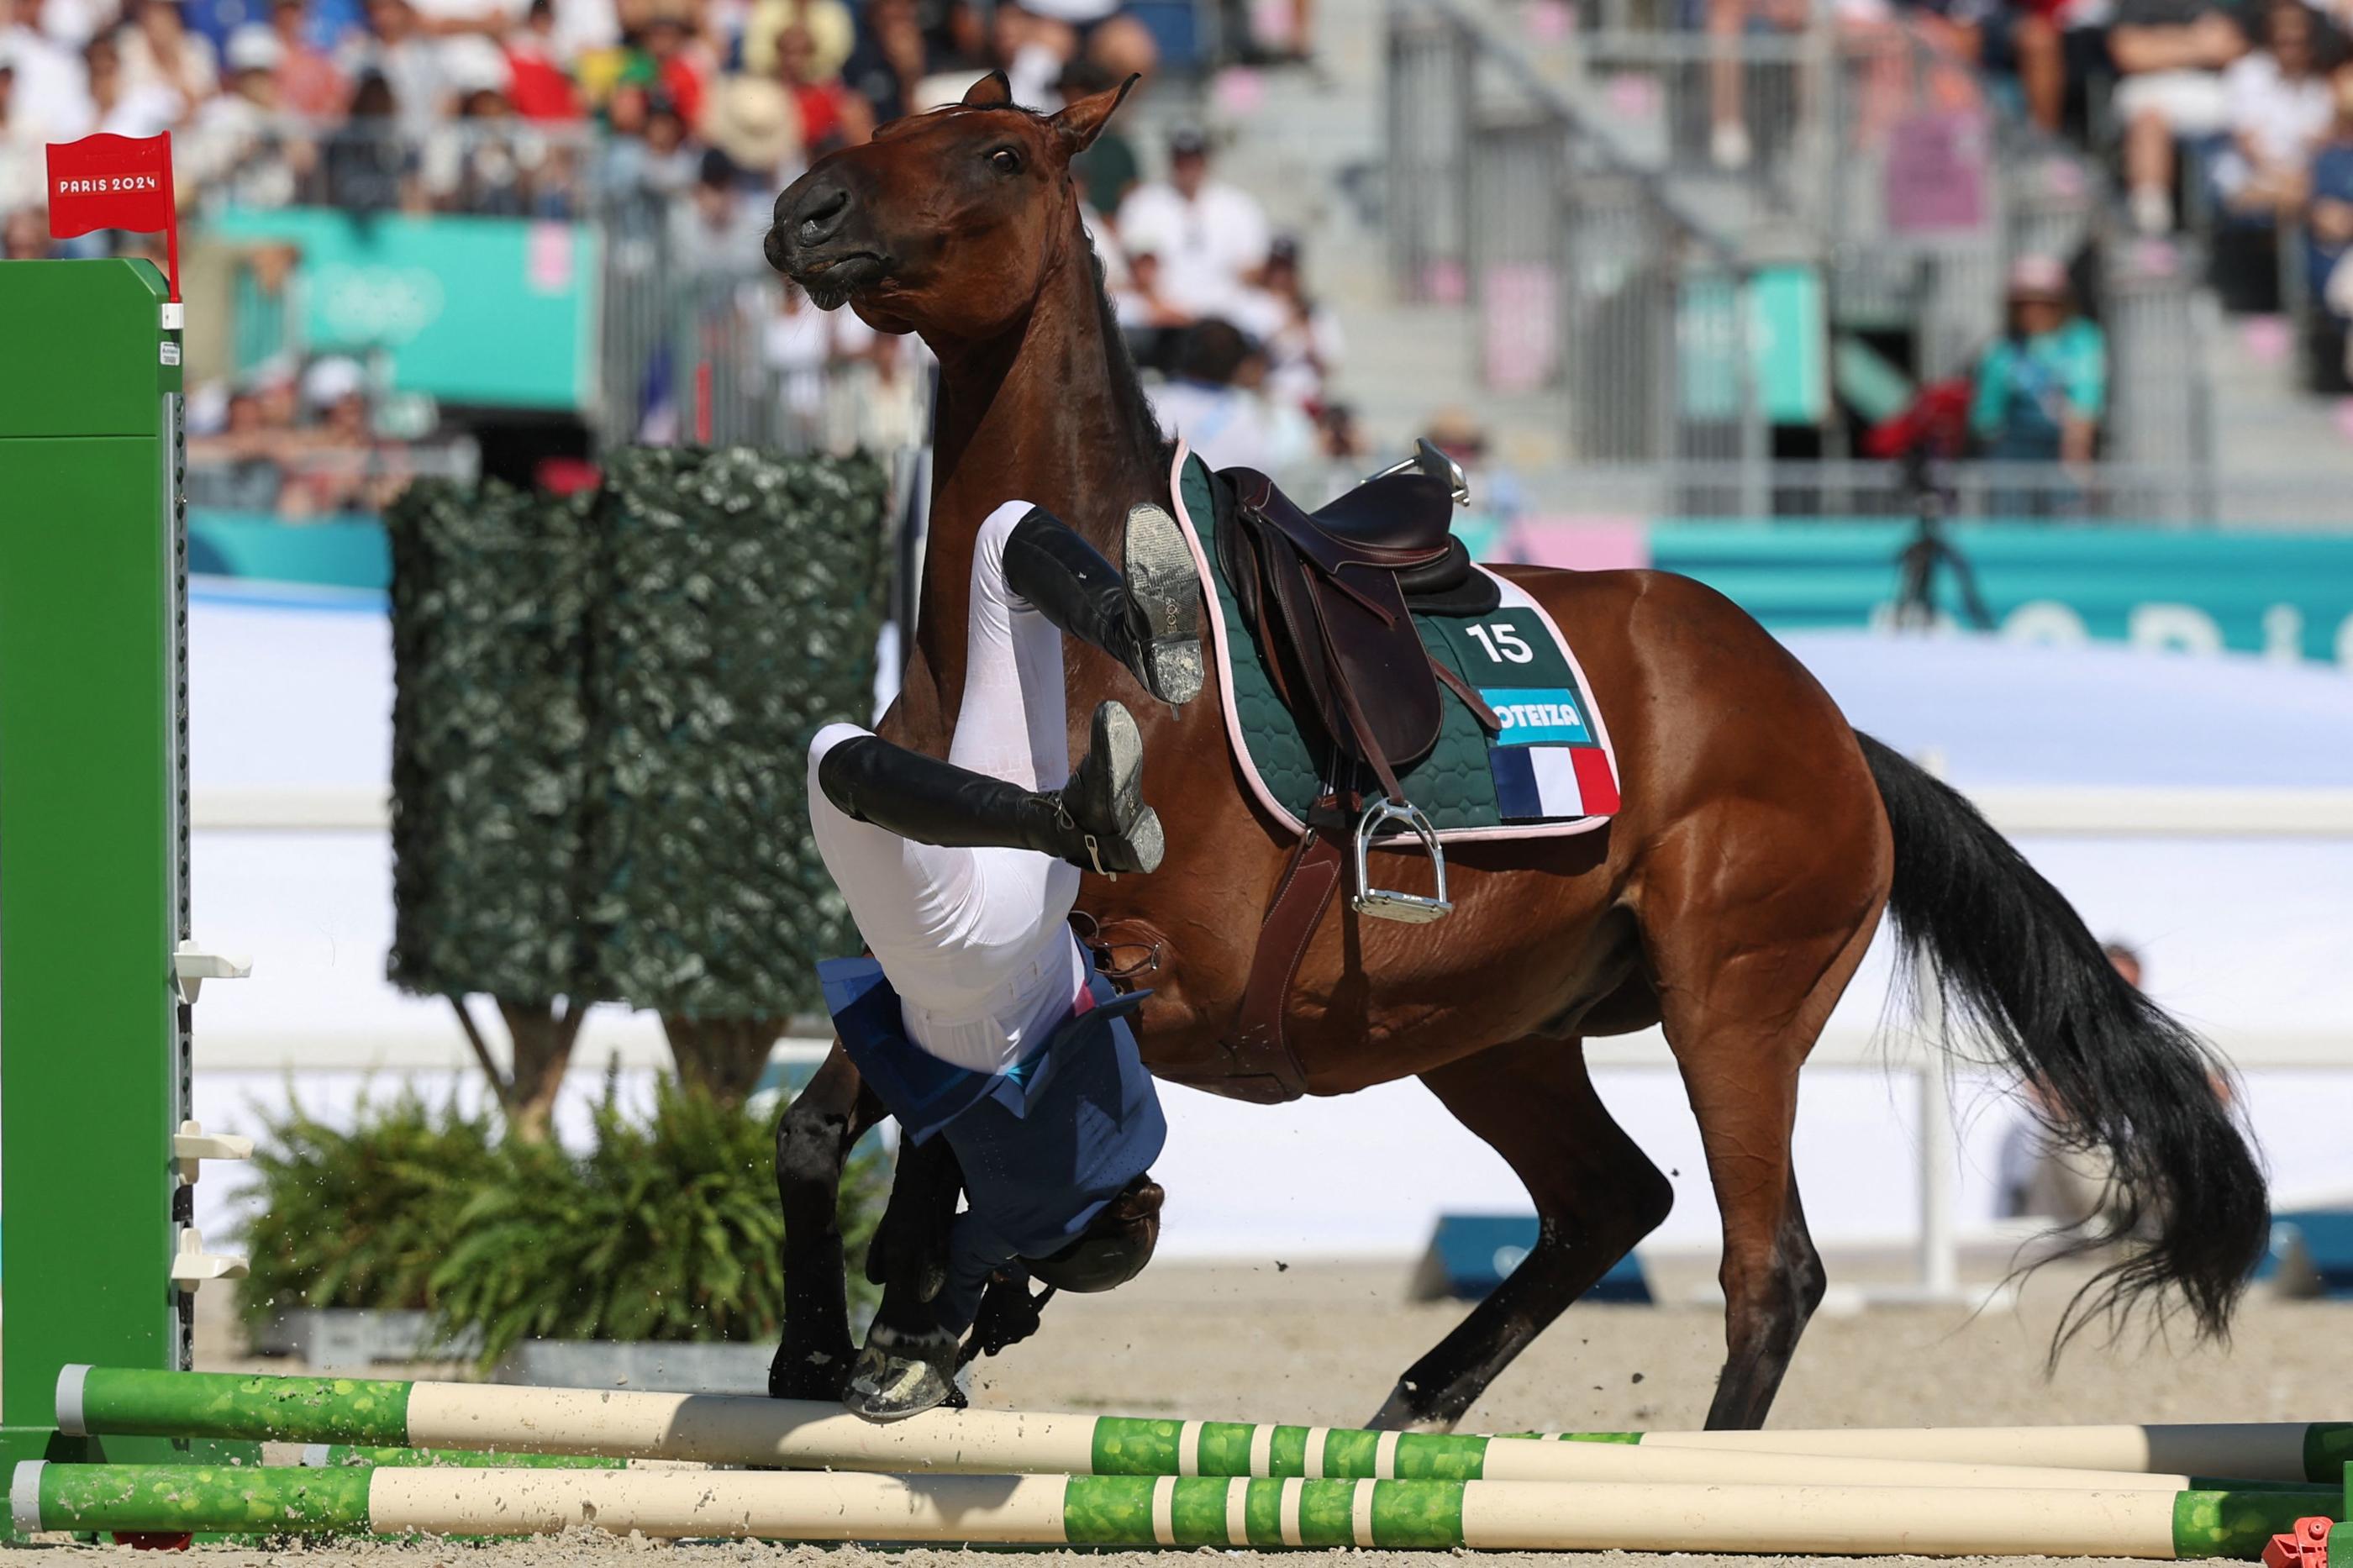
{"type": "Point", "coordinates": [1148, 618]}
{"type": "Point", "coordinates": [1098, 821]}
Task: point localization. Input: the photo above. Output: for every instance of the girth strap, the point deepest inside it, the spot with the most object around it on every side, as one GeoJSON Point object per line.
{"type": "Point", "coordinates": [1258, 1049]}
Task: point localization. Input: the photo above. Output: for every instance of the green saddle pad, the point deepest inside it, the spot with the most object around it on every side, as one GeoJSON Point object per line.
{"type": "Point", "coordinates": [1548, 771]}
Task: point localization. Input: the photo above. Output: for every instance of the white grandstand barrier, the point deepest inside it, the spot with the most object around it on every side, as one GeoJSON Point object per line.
{"type": "Point", "coordinates": [2043, 812]}
{"type": "Point", "coordinates": [305, 808]}
{"type": "Point", "coordinates": [2039, 811]}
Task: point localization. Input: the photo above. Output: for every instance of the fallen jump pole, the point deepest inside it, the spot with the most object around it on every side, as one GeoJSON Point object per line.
{"type": "Point", "coordinates": [2257, 1450]}
{"type": "Point", "coordinates": [1168, 1510]}
{"type": "Point", "coordinates": [718, 1429]}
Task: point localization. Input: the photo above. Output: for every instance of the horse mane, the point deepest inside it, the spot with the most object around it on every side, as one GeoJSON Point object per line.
{"type": "Point", "coordinates": [1134, 408]}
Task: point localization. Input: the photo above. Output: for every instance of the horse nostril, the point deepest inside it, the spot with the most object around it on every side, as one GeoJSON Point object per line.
{"type": "Point", "coordinates": [822, 215]}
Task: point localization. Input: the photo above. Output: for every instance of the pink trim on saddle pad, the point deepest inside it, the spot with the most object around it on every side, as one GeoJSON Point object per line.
{"type": "Point", "coordinates": [1514, 595]}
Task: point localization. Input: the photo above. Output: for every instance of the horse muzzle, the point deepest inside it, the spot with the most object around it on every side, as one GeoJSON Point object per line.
{"type": "Point", "coordinates": [813, 240]}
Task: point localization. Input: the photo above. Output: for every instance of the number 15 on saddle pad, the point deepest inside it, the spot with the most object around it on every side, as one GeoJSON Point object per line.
{"type": "Point", "coordinates": [1547, 762]}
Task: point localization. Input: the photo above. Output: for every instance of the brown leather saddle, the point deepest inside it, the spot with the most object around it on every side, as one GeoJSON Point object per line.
{"type": "Point", "coordinates": [1329, 595]}
{"type": "Point", "coordinates": [1326, 594]}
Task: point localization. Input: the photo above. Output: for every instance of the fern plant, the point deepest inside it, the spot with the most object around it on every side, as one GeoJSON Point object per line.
{"type": "Point", "coordinates": [361, 1217]}
{"type": "Point", "coordinates": [667, 1230]}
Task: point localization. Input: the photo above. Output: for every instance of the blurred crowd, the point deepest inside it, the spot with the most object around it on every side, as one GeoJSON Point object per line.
{"type": "Point", "coordinates": [511, 107]}
{"type": "Point", "coordinates": [2231, 118]}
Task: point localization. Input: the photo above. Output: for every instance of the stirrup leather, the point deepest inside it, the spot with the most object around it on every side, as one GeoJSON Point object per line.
{"type": "Point", "coordinates": [1413, 909]}
{"type": "Point", "coordinates": [1068, 823]}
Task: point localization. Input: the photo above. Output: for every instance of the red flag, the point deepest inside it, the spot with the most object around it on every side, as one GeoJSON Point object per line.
{"type": "Point", "coordinates": [115, 182]}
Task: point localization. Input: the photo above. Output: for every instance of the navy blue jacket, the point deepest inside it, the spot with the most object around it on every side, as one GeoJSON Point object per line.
{"type": "Point", "coordinates": [1044, 1146]}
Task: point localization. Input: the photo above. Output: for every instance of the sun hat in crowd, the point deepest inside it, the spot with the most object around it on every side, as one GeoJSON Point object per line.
{"type": "Point", "coordinates": [331, 380]}
{"type": "Point", "coordinates": [751, 119]}
{"type": "Point", "coordinates": [1188, 141]}
{"type": "Point", "coordinates": [2038, 278]}
{"type": "Point", "coordinates": [254, 47]}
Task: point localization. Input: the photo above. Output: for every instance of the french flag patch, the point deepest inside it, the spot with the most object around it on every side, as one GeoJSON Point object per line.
{"type": "Point", "coordinates": [1546, 784]}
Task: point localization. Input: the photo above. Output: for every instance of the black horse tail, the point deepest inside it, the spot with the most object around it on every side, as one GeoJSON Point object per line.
{"type": "Point", "coordinates": [2022, 977]}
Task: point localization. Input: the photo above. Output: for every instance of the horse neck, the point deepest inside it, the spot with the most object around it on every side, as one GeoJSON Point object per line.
{"type": "Point", "coordinates": [1040, 414]}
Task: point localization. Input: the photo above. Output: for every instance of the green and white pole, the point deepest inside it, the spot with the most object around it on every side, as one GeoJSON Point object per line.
{"type": "Point", "coordinates": [737, 1430]}
{"type": "Point", "coordinates": [337, 1455]}
{"type": "Point", "coordinates": [2315, 1452]}
{"type": "Point", "coordinates": [1141, 1511]}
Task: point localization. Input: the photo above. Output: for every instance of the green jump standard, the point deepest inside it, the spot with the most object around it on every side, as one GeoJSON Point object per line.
{"type": "Point", "coordinates": [1167, 1510]}
{"type": "Point", "coordinates": [740, 1431]}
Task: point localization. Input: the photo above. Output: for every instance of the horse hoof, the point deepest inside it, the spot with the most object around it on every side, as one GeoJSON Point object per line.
{"type": "Point", "coordinates": [1399, 1414]}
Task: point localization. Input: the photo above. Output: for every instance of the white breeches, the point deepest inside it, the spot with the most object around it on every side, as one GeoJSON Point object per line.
{"type": "Point", "coordinates": [975, 941]}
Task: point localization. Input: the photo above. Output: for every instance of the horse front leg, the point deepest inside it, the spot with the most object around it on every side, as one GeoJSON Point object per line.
{"type": "Point", "coordinates": [909, 1255]}
{"type": "Point", "coordinates": [814, 1137]}
{"type": "Point", "coordinates": [1596, 1195]}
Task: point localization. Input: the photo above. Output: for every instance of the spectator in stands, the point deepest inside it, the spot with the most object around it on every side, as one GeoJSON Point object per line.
{"type": "Point", "coordinates": [2328, 224]}
{"type": "Point", "coordinates": [397, 49]}
{"type": "Point", "coordinates": [1056, 32]}
{"type": "Point", "coordinates": [122, 108]}
{"type": "Point", "coordinates": [537, 67]}
{"type": "Point", "coordinates": [2042, 391]}
{"type": "Point", "coordinates": [159, 54]}
{"type": "Point", "coordinates": [1215, 402]}
{"type": "Point", "coordinates": [888, 58]}
{"type": "Point", "coordinates": [25, 236]}
{"type": "Point", "coordinates": [1210, 237]}
{"type": "Point", "coordinates": [240, 467]}
{"type": "Point", "coordinates": [1152, 326]}
{"type": "Point", "coordinates": [369, 166]}
{"type": "Point", "coordinates": [310, 83]}
{"type": "Point", "coordinates": [716, 231]}
{"type": "Point", "coordinates": [50, 102]}
{"type": "Point", "coordinates": [754, 120]}
{"type": "Point", "coordinates": [20, 145]}
{"type": "Point", "coordinates": [829, 113]}
{"type": "Point", "coordinates": [2171, 55]}
{"type": "Point", "coordinates": [341, 466]}
{"type": "Point", "coordinates": [829, 35]}
{"type": "Point", "coordinates": [2280, 110]}
{"type": "Point", "coordinates": [236, 142]}
{"type": "Point", "coordinates": [667, 48]}
{"type": "Point", "coordinates": [1300, 335]}
{"type": "Point", "coordinates": [1730, 145]}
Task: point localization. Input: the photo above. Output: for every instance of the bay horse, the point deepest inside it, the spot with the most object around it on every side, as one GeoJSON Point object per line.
{"type": "Point", "coordinates": [1760, 841]}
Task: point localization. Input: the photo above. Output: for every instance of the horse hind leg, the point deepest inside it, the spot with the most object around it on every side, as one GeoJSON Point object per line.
{"type": "Point", "coordinates": [1596, 1195]}
{"type": "Point", "coordinates": [1742, 1011]}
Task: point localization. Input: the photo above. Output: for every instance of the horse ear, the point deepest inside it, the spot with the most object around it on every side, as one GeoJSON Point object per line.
{"type": "Point", "coordinates": [991, 91]}
{"type": "Point", "coordinates": [1082, 121]}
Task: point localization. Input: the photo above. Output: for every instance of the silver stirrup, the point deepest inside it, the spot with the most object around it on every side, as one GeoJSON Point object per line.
{"type": "Point", "coordinates": [1410, 908]}
{"type": "Point", "coordinates": [1428, 461]}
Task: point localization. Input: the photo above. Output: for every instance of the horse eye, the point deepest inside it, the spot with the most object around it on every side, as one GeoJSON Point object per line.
{"type": "Point", "coordinates": [1005, 160]}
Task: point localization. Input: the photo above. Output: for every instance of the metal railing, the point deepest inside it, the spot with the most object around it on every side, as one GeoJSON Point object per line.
{"type": "Point", "coordinates": [1570, 192]}
{"type": "Point", "coordinates": [2178, 494]}
{"type": "Point", "coordinates": [1585, 273]}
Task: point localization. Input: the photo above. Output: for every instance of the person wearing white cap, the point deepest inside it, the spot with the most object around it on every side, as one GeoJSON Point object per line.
{"type": "Point", "coordinates": [2042, 388]}
{"type": "Point", "coordinates": [1211, 237]}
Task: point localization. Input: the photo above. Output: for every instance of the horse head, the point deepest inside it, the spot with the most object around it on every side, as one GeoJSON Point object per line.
{"type": "Point", "coordinates": [947, 224]}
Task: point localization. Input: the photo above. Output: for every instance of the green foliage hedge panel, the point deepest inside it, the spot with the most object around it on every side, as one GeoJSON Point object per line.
{"type": "Point", "coordinates": [744, 595]}
{"type": "Point", "coordinates": [601, 713]}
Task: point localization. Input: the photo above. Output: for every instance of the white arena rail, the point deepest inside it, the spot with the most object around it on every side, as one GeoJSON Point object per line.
{"type": "Point", "coordinates": [2052, 811]}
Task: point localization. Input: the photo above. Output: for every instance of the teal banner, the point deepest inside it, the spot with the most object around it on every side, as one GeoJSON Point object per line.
{"type": "Point", "coordinates": [491, 312]}
{"type": "Point", "coordinates": [345, 553]}
{"type": "Point", "coordinates": [1787, 346]}
{"type": "Point", "coordinates": [2287, 595]}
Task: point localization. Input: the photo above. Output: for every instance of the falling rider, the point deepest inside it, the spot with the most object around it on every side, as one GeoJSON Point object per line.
{"type": "Point", "coordinates": [979, 1018]}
